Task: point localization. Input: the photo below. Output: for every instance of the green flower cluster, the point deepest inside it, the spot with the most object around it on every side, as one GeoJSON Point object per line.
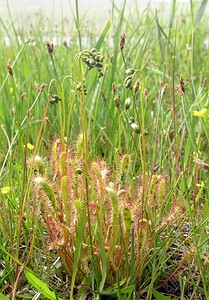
{"type": "Point", "coordinates": [129, 78]}
{"type": "Point", "coordinates": [134, 126]}
{"type": "Point", "coordinates": [81, 86]}
{"type": "Point", "coordinates": [94, 59]}
{"type": "Point", "coordinates": [54, 99]}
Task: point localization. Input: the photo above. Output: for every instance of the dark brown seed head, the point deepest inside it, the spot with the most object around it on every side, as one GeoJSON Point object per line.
{"type": "Point", "coordinates": [41, 87]}
{"type": "Point", "coordinates": [122, 41]}
{"type": "Point", "coordinates": [117, 100]}
{"type": "Point", "coordinates": [104, 98]}
{"type": "Point", "coordinates": [201, 163]}
{"type": "Point", "coordinates": [204, 83]}
{"type": "Point", "coordinates": [23, 95]}
{"type": "Point", "coordinates": [181, 81]}
{"type": "Point", "coordinates": [9, 68]}
{"type": "Point", "coordinates": [164, 89]}
{"type": "Point", "coordinates": [114, 89]}
{"type": "Point", "coordinates": [137, 86]}
{"type": "Point", "coordinates": [179, 90]}
{"type": "Point", "coordinates": [49, 47]}
{"type": "Point", "coordinates": [145, 94]}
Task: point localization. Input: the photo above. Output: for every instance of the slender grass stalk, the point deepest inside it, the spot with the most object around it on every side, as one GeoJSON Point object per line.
{"type": "Point", "coordinates": [25, 191]}
{"type": "Point", "coordinates": [16, 134]}
{"type": "Point", "coordinates": [12, 22]}
{"type": "Point", "coordinates": [76, 17]}
{"type": "Point", "coordinates": [13, 64]}
{"type": "Point", "coordinates": [78, 25]}
{"type": "Point", "coordinates": [173, 104]}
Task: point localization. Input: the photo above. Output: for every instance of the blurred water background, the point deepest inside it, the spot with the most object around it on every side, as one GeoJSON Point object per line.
{"type": "Point", "coordinates": [94, 14]}
{"type": "Point", "coordinates": [98, 10]}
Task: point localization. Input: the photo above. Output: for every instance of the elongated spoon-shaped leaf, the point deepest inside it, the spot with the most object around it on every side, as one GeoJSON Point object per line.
{"type": "Point", "coordinates": [3, 297]}
{"type": "Point", "coordinates": [40, 286]}
{"type": "Point", "coordinates": [160, 296]}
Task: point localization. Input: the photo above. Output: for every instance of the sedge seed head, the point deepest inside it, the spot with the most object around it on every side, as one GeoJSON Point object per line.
{"type": "Point", "coordinates": [127, 103]}
{"type": "Point", "coordinates": [135, 127]}
{"type": "Point", "coordinates": [49, 47]}
{"type": "Point", "coordinates": [122, 41]}
{"type": "Point", "coordinates": [10, 70]}
{"type": "Point", "coordinates": [129, 71]}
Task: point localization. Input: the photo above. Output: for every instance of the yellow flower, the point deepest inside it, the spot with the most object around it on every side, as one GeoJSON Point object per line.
{"type": "Point", "coordinates": [30, 146]}
{"type": "Point", "coordinates": [5, 190]}
{"type": "Point", "coordinates": [201, 184]}
{"type": "Point", "coordinates": [11, 90]}
{"type": "Point", "coordinates": [199, 113]}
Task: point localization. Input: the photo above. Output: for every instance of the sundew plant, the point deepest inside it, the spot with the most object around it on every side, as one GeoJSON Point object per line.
{"type": "Point", "coordinates": [104, 155]}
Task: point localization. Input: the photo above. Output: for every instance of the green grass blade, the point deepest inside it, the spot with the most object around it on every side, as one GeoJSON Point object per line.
{"type": "Point", "coordinates": [104, 262]}
{"type": "Point", "coordinates": [79, 241]}
{"type": "Point", "coordinates": [37, 295]}
{"type": "Point", "coordinates": [40, 286]}
{"type": "Point", "coordinates": [159, 32]}
{"type": "Point", "coordinates": [103, 34]}
{"type": "Point", "coordinates": [127, 290]}
{"type": "Point", "coordinates": [3, 297]}
{"type": "Point", "coordinates": [116, 40]}
{"type": "Point", "coordinates": [160, 296]}
{"type": "Point", "coordinates": [172, 13]}
{"type": "Point", "coordinates": [200, 13]}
